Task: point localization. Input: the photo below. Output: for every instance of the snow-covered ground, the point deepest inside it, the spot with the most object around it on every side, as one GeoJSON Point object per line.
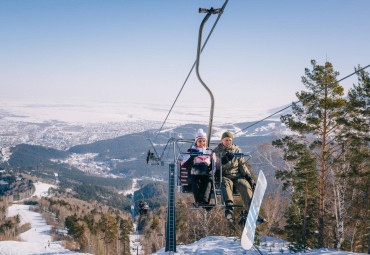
{"type": "Point", "coordinates": [231, 246]}
{"type": "Point", "coordinates": [42, 189]}
{"type": "Point", "coordinates": [133, 188]}
{"type": "Point", "coordinates": [37, 239]}
{"type": "Point", "coordinates": [135, 242]}
{"type": "Point", "coordinates": [92, 111]}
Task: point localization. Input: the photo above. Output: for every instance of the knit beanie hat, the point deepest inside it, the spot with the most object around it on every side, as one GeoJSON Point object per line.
{"type": "Point", "coordinates": [200, 134]}
{"type": "Point", "coordinates": [227, 134]}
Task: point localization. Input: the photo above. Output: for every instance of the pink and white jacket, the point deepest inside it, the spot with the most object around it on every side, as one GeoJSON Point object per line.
{"type": "Point", "coordinates": [207, 157]}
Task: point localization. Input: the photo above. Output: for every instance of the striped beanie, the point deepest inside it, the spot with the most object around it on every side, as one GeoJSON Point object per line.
{"type": "Point", "coordinates": [200, 134]}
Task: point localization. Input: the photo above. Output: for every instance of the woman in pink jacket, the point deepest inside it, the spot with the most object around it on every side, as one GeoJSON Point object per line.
{"type": "Point", "coordinates": [201, 164]}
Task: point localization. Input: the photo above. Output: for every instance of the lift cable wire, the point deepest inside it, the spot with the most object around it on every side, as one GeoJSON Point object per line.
{"type": "Point", "coordinates": [328, 86]}
{"type": "Point", "coordinates": [191, 69]}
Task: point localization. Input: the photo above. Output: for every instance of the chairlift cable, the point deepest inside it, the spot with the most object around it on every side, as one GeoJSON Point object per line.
{"type": "Point", "coordinates": [191, 69]}
{"type": "Point", "coordinates": [307, 97]}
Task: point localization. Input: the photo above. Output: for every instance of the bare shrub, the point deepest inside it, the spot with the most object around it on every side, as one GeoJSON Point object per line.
{"type": "Point", "coordinates": [70, 244]}
{"type": "Point", "coordinates": [25, 227]}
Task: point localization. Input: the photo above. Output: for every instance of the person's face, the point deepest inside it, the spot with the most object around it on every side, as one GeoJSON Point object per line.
{"type": "Point", "coordinates": [227, 141]}
{"type": "Point", "coordinates": [202, 143]}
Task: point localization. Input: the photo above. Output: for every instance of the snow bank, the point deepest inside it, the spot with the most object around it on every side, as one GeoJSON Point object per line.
{"type": "Point", "coordinates": [210, 245]}
{"type": "Point", "coordinates": [42, 189]}
{"type": "Point", "coordinates": [231, 245]}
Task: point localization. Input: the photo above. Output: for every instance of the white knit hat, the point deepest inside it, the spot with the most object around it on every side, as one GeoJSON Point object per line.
{"type": "Point", "coordinates": [200, 134]}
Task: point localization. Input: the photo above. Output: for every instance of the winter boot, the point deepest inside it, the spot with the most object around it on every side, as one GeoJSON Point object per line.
{"type": "Point", "coordinates": [243, 218]}
{"type": "Point", "coordinates": [229, 212]}
{"type": "Point", "coordinates": [261, 220]}
{"type": "Point", "coordinates": [229, 215]}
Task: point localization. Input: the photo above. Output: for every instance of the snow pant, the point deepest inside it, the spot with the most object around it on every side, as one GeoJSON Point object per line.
{"type": "Point", "coordinates": [201, 186]}
{"type": "Point", "coordinates": [242, 186]}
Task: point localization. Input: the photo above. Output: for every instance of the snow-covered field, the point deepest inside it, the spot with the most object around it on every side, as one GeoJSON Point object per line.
{"type": "Point", "coordinates": [36, 240]}
{"type": "Point", "coordinates": [42, 189]}
{"type": "Point", "coordinates": [231, 246]}
{"type": "Point", "coordinates": [77, 111]}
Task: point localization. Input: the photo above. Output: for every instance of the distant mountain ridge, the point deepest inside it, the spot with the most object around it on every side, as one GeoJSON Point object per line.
{"type": "Point", "coordinates": [126, 154]}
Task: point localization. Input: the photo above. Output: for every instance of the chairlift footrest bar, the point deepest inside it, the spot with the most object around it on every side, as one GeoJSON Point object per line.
{"type": "Point", "coordinates": [206, 205]}
{"type": "Point", "coordinates": [235, 206]}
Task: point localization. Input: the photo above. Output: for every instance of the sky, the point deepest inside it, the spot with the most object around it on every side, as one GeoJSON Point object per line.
{"type": "Point", "coordinates": [62, 51]}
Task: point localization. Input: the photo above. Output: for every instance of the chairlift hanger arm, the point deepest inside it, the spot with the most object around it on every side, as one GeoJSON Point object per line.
{"type": "Point", "coordinates": [209, 13]}
{"type": "Point", "coordinates": [155, 151]}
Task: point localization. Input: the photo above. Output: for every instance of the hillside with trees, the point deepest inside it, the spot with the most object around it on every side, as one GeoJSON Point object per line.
{"type": "Point", "coordinates": [34, 155]}
{"type": "Point", "coordinates": [35, 160]}
{"type": "Point", "coordinates": [154, 193]}
{"type": "Point", "coordinates": [88, 192]}
{"type": "Point", "coordinates": [92, 227]}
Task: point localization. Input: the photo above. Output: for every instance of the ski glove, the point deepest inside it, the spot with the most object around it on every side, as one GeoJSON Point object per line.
{"type": "Point", "coordinates": [190, 161]}
{"type": "Point", "coordinates": [251, 181]}
{"type": "Point", "coordinates": [190, 151]}
{"type": "Point", "coordinates": [228, 156]}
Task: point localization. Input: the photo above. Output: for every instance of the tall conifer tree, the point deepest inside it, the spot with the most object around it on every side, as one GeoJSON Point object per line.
{"type": "Point", "coordinates": [314, 120]}
{"type": "Point", "coordinates": [302, 182]}
{"type": "Point", "coordinates": [354, 174]}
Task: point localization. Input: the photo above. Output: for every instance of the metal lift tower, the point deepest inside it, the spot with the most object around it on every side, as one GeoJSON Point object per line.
{"type": "Point", "coordinates": [171, 216]}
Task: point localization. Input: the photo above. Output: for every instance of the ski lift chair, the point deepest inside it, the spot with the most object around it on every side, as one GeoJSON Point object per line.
{"type": "Point", "coordinates": [183, 174]}
{"type": "Point", "coordinates": [216, 193]}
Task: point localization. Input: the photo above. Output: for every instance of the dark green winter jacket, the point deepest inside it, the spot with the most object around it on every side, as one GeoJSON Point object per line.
{"type": "Point", "coordinates": [235, 168]}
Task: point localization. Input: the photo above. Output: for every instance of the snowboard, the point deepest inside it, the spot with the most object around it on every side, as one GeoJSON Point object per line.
{"type": "Point", "coordinates": [250, 224]}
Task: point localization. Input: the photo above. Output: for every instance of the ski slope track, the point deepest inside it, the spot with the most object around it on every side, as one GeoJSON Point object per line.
{"type": "Point", "coordinates": [37, 239]}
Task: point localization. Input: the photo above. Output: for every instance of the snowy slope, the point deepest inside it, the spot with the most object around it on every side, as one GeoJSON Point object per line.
{"type": "Point", "coordinates": [36, 240]}
{"type": "Point", "coordinates": [135, 245]}
{"type": "Point", "coordinates": [231, 246]}
{"type": "Point", "coordinates": [42, 189]}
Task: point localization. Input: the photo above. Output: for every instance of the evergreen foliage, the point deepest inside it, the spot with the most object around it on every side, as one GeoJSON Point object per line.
{"type": "Point", "coordinates": [352, 168]}
{"type": "Point", "coordinates": [33, 155]}
{"type": "Point", "coordinates": [302, 182]}
{"type": "Point", "coordinates": [90, 192]}
{"type": "Point", "coordinates": [154, 193]}
{"type": "Point", "coordinates": [329, 152]}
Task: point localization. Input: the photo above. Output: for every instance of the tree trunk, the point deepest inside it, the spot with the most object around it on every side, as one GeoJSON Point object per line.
{"type": "Point", "coordinates": [336, 206]}
{"type": "Point", "coordinates": [341, 213]}
{"type": "Point", "coordinates": [353, 241]}
{"type": "Point", "coordinates": [305, 210]}
{"type": "Point", "coordinates": [368, 244]}
{"type": "Point", "coordinates": [322, 176]}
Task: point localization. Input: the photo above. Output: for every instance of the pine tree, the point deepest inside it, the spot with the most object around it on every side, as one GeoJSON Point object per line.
{"type": "Point", "coordinates": [353, 173]}
{"type": "Point", "coordinates": [126, 228]}
{"type": "Point", "coordinates": [109, 228]}
{"type": "Point", "coordinates": [302, 182]}
{"type": "Point", "coordinates": [315, 122]}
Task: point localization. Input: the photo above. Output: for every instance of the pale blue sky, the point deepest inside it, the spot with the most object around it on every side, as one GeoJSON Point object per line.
{"type": "Point", "coordinates": [143, 50]}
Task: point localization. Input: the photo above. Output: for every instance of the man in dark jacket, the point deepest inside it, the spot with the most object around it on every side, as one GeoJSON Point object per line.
{"type": "Point", "coordinates": [234, 173]}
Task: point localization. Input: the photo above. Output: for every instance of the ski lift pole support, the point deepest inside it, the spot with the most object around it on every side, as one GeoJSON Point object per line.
{"type": "Point", "coordinates": [209, 13]}
{"type": "Point", "coordinates": [171, 215]}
